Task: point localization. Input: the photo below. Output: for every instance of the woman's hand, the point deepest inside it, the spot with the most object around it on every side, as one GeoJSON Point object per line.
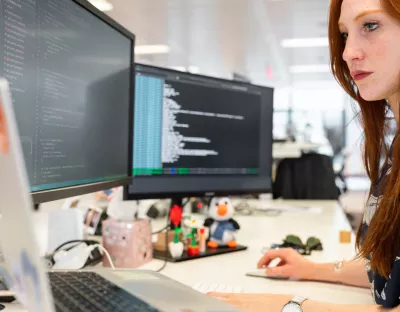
{"type": "Point", "coordinates": [254, 302]}
{"type": "Point", "coordinates": [291, 265]}
{"type": "Point", "coordinates": [275, 303]}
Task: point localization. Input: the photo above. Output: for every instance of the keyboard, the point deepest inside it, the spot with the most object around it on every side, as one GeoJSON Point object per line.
{"type": "Point", "coordinates": [88, 291]}
{"type": "Point", "coordinates": [206, 288]}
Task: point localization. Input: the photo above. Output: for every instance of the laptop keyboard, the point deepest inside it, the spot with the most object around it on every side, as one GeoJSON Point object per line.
{"type": "Point", "coordinates": [88, 291]}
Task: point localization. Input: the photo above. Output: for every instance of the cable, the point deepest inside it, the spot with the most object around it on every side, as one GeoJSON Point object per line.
{"type": "Point", "coordinates": [90, 242]}
{"type": "Point", "coordinates": [166, 248]}
{"type": "Point", "coordinates": [185, 203]}
{"type": "Point", "coordinates": [92, 247]}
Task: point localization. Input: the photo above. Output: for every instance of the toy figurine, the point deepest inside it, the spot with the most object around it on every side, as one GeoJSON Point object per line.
{"type": "Point", "coordinates": [176, 247]}
{"type": "Point", "coordinates": [222, 227]}
{"type": "Point", "coordinates": [193, 248]}
{"type": "Point", "coordinates": [175, 215]}
{"type": "Point", "coordinates": [202, 240]}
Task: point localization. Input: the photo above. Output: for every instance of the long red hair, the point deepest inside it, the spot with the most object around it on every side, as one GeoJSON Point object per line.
{"type": "Point", "coordinates": [382, 239]}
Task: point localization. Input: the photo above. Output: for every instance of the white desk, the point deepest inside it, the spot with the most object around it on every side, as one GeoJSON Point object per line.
{"type": "Point", "coordinates": [259, 231]}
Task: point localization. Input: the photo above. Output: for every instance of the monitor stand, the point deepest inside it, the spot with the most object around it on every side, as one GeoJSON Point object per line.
{"type": "Point", "coordinates": [175, 207]}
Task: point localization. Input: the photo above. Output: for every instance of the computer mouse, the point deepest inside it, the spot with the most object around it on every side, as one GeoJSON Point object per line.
{"type": "Point", "coordinates": [261, 273]}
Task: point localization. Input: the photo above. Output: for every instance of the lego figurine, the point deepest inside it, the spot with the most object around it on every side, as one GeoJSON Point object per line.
{"type": "Point", "coordinates": [175, 215]}
{"type": "Point", "coordinates": [193, 248]}
{"type": "Point", "coordinates": [176, 247]}
{"type": "Point", "coordinates": [222, 227]}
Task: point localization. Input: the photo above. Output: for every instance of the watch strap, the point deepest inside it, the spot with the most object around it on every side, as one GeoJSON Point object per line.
{"type": "Point", "coordinates": [298, 300]}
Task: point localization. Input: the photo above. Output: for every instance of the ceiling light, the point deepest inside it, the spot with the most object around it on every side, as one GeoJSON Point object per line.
{"type": "Point", "coordinates": [152, 49]}
{"type": "Point", "coordinates": [102, 5]}
{"type": "Point", "coordinates": [305, 42]}
{"type": "Point", "coordinates": [302, 69]}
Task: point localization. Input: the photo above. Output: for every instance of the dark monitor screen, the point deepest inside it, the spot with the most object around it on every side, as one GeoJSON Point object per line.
{"type": "Point", "coordinates": [195, 135]}
{"type": "Point", "coordinates": [70, 71]}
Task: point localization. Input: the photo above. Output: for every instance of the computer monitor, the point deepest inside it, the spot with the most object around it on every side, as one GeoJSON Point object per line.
{"type": "Point", "coordinates": [70, 70]}
{"type": "Point", "coordinates": [199, 136]}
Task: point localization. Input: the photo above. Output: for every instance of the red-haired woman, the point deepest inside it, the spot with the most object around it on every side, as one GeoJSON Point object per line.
{"type": "Point", "coordinates": [364, 37]}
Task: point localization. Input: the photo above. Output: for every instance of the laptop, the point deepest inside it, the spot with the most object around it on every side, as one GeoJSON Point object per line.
{"type": "Point", "coordinates": [71, 291]}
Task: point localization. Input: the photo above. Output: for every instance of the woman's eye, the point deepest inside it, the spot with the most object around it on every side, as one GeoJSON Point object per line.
{"type": "Point", "coordinates": [370, 26]}
{"type": "Point", "coordinates": [367, 27]}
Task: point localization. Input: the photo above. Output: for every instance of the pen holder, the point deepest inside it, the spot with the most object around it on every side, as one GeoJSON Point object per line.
{"type": "Point", "coordinates": [128, 243]}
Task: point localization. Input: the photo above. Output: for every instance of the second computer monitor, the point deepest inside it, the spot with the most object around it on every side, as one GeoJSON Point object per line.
{"type": "Point", "coordinates": [197, 135]}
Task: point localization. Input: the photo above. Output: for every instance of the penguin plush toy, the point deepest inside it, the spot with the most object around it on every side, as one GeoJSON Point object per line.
{"type": "Point", "coordinates": [222, 227]}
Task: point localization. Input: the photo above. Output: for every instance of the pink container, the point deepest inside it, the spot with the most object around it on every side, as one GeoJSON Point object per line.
{"type": "Point", "coordinates": [128, 243]}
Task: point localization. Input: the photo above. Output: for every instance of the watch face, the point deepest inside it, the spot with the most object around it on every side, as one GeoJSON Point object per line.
{"type": "Point", "coordinates": [292, 307]}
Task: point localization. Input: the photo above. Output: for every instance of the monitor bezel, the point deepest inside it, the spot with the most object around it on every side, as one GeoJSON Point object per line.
{"type": "Point", "coordinates": [203, 193]}
{"type": "Point", "coordinates": [65, 192]}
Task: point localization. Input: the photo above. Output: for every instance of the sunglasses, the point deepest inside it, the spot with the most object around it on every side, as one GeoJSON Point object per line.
{"type": "Point", "coordinates": [293, 241]}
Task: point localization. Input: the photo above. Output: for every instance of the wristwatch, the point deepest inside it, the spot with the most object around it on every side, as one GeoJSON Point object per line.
{"type": "Point", "coordinates": [294, 305]}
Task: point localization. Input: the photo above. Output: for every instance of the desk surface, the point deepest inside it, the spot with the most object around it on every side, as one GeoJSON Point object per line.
{"type": "Point", "coordinates": [258, 231]}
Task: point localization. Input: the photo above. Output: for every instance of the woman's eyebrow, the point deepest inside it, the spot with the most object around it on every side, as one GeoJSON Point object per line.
{"type": "Point", "coordinates": [361, 14]}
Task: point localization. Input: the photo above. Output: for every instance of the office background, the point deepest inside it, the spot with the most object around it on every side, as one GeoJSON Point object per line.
{"type": "Point", "coordinates": [278, 43]}
{"type": "Point", "coordinates": [251, 41]}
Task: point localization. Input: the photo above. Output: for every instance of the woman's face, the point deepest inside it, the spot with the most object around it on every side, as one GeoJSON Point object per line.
{"type": "Point", "coordinates": [372, 50]}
